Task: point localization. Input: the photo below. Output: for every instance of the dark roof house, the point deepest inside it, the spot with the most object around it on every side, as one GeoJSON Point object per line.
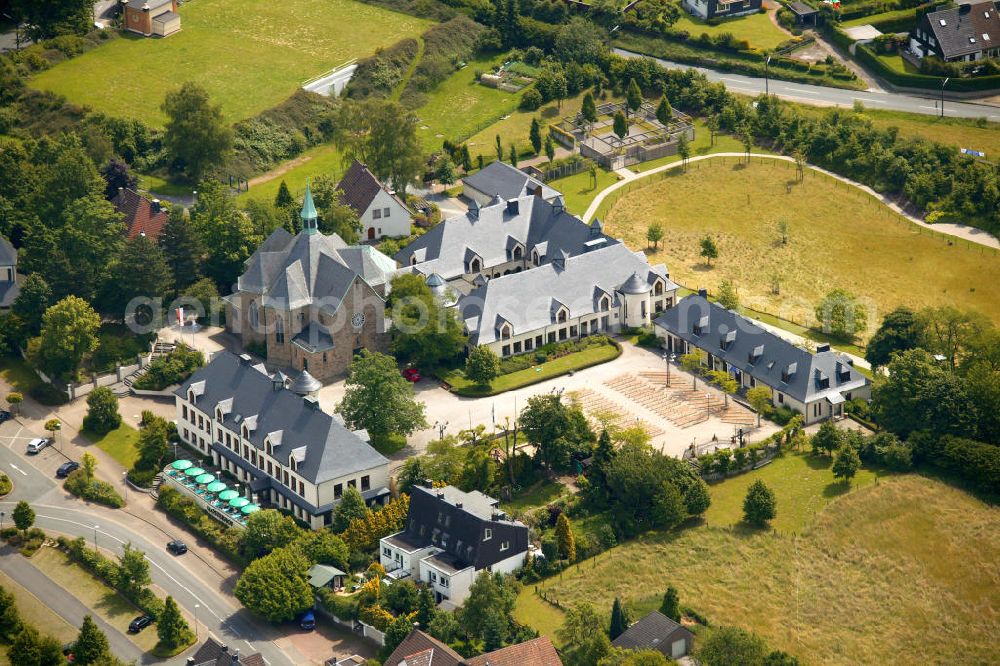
{"type": "Point", "coordinates": [9, 288]}
{"type": "Point", "coordinates": [360, 187]}
{"type": "Point", "coordinates": [214, 653]}
{"type": "Point", "coordinates": [656, 631]}
{"type": "Point", "coordinates": [143, 217]}
{"type": "Point", "coordinates": [507, 182]}
{"type": "Point", "coordinates": [963, 33]}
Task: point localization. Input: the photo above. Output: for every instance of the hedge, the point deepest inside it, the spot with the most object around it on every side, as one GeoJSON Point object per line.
{"type": "Point", "coordinates": [973, 461]}
{"type": "Point", "coordinates": [107, 570]}
{"type": "Point", "coordinates": [868, 57]}
{"type": "Point", "coordinates": [184, 509]}
{"type": "Point", "coordinates": [93, 490]}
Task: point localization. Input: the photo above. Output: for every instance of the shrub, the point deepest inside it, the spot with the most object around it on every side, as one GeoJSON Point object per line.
{"type": "Point", "coordinates": [174, 368]}
{"type": "Point", "coordinates": [93, 490]}
{"type": "Point", "coordinates": [185, 510]}
{"type": "Point", "coordinates": [6, 485]}
{"type": "Point", "coordinates": [531, 100]}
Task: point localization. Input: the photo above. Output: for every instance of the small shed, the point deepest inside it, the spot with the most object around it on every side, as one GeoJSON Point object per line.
{"type": "Point", "coordinates": [323, 575]}
{"type": "Point", "coordinates": [658, 632]}
{"type": "Point", "coordinates": [804, 14]}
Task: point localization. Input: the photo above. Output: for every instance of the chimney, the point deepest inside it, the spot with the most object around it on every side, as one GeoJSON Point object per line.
{"type": "Point", "coordinates": [513, 207]}
{"type": "Point", "coordinates": [703, 293]}
{"type": "Point", "coordinates": [825, 347]}
{"type": "Point", "coordinates": [458, 505]}
{"type": "Point", "coordinates": [245, 359]}
{"type": "Point", "coordinates": [121, 191]}
{"type": "Point", "coordinates": [223, 649]}
{"type": "Point", "coordinates": [155, 205]}
{"type": "Point", "coordinates": [311, 401]}
{"type": "Point", "coordinates": [236, 656]}
{"type": "Point", "coordinates": [440, 494]}
{"type": "Point", "coordinates": [190, 661]}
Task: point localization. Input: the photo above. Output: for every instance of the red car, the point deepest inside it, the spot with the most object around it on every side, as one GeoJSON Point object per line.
{"type": "Point", "coordinates": [411, 375]}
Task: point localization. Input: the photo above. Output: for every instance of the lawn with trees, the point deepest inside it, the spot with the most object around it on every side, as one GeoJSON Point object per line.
{"type": "Point", "coordinates": [876, 252]}
{"type": "Point", "coordinates": [249, 56]}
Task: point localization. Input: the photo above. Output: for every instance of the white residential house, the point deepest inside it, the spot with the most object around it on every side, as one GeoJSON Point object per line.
{"type": "Point", "coordinates": [450, 537]}
{"type": "Point", "coordinates": [381, 212]}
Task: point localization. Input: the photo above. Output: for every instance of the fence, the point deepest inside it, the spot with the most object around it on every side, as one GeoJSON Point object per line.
{"type": "Point", "coordinates": [78, 390]}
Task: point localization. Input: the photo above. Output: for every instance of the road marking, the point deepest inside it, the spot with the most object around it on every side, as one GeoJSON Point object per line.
{"type": "Point", "coordinates": [803, 92]}
{"type": "Point", "coordinates": [867, 99]}
{"type": "Point", "coordinates": [19, 469]}
{"type": "Point", "coordinates": [928, 107]}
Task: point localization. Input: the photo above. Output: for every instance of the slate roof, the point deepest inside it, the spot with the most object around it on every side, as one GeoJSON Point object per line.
{"type": "Point", "coordinates": [655, 631]}
{"type": "Point", "coordinates": [327, 448]}
{"type": "Point", "coordinates": [294, 271]}
{"type": "Point", "coordinates": [360, 186]}
{"type": "Point", "coordinates": [802, 9]}
{"type": "Point", "coordinates": [537, 652]}
{"type": "Point", "coordinates": [767, 357]}
{"type": "Point", "coordinates": [527, 300]}
{"type": "Point", "coordinates": [8, 253]}
{"type": "Point", "coordinates": [420, 649]}
{"type": "Point", "coordinates": [507, 181]}
{"type": "Point", "coordinates": [487, 232]}
{"type": "Point", "coordinates": [966, 29]}
{"type": "Point", "coordinates": [456, 521]}
{"type": "Point", "coordinates": [320, 575]}
{"type": "Point", "coordinates": [214, 653]}
{"type": "Point", "coordinates": [140, 217]}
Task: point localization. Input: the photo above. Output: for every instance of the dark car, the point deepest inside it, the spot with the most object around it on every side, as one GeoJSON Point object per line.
{"type": "Point", "coordinates": [177, 547]}
{"type": "Point", "coordinates": [308, 621]}
{"type": "Point", "coordinates": [139, 623]}
{"type": "Point", "coordinates": [5, 415]}
{"type": "Point", "coordinates": [67, 468]}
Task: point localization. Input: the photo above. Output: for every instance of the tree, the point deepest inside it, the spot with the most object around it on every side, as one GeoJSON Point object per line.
{"type": "Point", "coordinates": [152, 444]}
{"type": "Point", "coordinates": [425, 332]}
{"type": "Point", "coordinates": [841, 315]}
{"type": "Point", "coordinates": [619, 619]}
{"type": "Point", "coordinates": [709, 250]}
{"type": "Point", "coordinates": [783, 231]}
{"type": "Point", "coordinates": [335, 215]}
{"type": "Point", "coordinates": [69, 335]}
{"type": "Point", "coordinates": [196, 137]}
{"type": "Point", "coordinates": [284, 199]}
{"type": "Point", "coordinates": [117, 177]}
{"type": "Point", "coordinates": [499, 149]}
{"type": "Point", "coordinates": [846, 463]}
{"type": "Point", "coordinates": [445, 171]}
{"type": "Point", "coordinates": [664, 112]}
{"type": "Point", "coordinates": [397, 631]}
{"type": "Point", "coordinates": [620, 125]}
{"type": "Point", "coordinates": [555, 429]}
{"type": "Point", "coordinates": [535, 136]}
{"type": "Point", "coordinates": [102, 411]}
{"type": "Point", "coordinates": [171, 627]}
{"type": "Point", "coordinates": [828, 438]}
{"type": "Point", "coordinates": [14, 399]}
{"type": "Point", "coordinates": [731, 645]}
{"type": "Point", "coordinates": [550, 148]}
{"type": "Point", "coordinates": [696, 498]}
{"type": "Point", "coordinates": [800, 165]}
{"type": "Point", "coordinates": [951, 332]}
{"type": "Point", "coordinates": [582, 644]}
{"type": "Point", "coordinates": [713, 125]}
{"type": "Point", "coordinates": [132, 573]}
{"type": "Point", "coordinates": [633, 96]}
{"type": "Point", "coordinates": [482, 366]}
{"type": "Point", "coordinates": [227, 234]}
{"type": "Point", "coordinates": [141, 272]}
{"type": "Point", "coordinates": [759, 398]}
{"type": "Point", "coordinates": [91, 645]}
{"type": "Point", "coordinates": [444, 627]}
{"type": "Point", "coordinates": [692, 362]}
{"type": "Point", "coordinates": [588, 108]}
{"type": "Point", "coordinates": [325, 547]}
{"type": "Point", "coordinates": [466, 158]}
{"type": "Point", "coordinates": [487, 611]}
{"type": "Point", "coordinates": [30, 648]}
{"type": "Point", "coordinates": [401, 597]}
{"type": "Point", "coordinates": [88, 464]}
{"type": "Point", "coordinates": [670, 606]}
{"type": "Point", "coordinates": [564, 538]}
{"type": "Point", "coordinates": [668, 509]}
{"type": "Point", "coordinates": [581, 41]}
{"type": "Point", "coordinates": [204, 295]}
{"type": "Point", "coordinates": [53, 426]}
{"type": "Point", "coordinates": [426, 608]}
{"type": "Point", "coordinates": [382, 134]}
{"type": "Point", "coordinates": [275, 586]}
{"type": "Point", "coordinates": [350, 507]}
{"type": "Point", "coordinates": [919, 393]}
{"type": "Point", "coordinates": [746, 136]}
{"type": "Point", "coordinates": [266, 531]}
{"type": "Point", "coordinates": [899, 331]}
{"type": "Point", "coordinates": [654, 234]}
{"type": "Point", "coordinates": [683, 149]}
{"type": "Point", "coordinates": [759, 505]}
{"type": "Point", "coordinates": [23, 515]}
{"type": "Point", "coordinates": [727, 297]}
{"type": "Point", "coordinates": [182, 250]}
{"type": "Point", "coordinates": [32, 302]}
{"type": "Point", "coordinates": [55, 17]}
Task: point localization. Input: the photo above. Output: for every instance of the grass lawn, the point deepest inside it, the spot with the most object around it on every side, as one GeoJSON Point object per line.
{"type": "Point", "coordinates": [538, 494]}
{"type": "Point", "coordinates": [578, 190]}
{"type": "Point", "coordinates": [459, 108]}
{"type": "Point", "coordinates": [755, 28]}
{"type": "Point", "coordinates": [119, 444]}
{"type": "Point", "coordinates": [864, 582]}
{"type": "Point", "coordinates": [250, 55]}
{"type": "Point", "coordinates": [880, 258]}
{"type": "Point", "coordinates": [93, 593]}
{"type": "Point", "coordinates": [37, 614]}
{"type": "Point", "coordinates": [324, 160]}
{"type": "Point", "coordinates": [897, 63]}
{"type": "Point", "coordinates": [160, 185]}
{"type": "Point", "coordinates": [539, 373]}
{"type": "Point", "coordinates": [19, 374]}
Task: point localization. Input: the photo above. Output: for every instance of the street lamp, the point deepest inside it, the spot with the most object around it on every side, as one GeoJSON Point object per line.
{"type": "Point", "coordinates": [943, 84]}
{"type": "Point", "coordinates": [2, 514]}
{"type": "Point", "coordinates": [668, 359]}
{"type": "Point", "coordinates": [125, 485]}
{"type": "Point", "coordinates": [95, 536]}
{"type": "Point", "coordinates": [196, 607]}
{"type": "Point", "coordinates": [767, 64]}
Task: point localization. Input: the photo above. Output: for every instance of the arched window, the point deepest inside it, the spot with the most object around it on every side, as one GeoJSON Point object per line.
{"type": "Point", "coordinates": [474, 266]}
{"type": "Point", "coordinates": [505, 332]}
{"type": "Point", "coordinates": [605, 304]}
{"type": "Point", "coordinates": [279, 330]}
{"type": "Point", "coordinates": [534, 257]}
{"type": "Point", "coordinates": [561, 317]}
{"type": "Point", "coordinates": [517, 253]}
{"type": "Point", "coordinates": [658, 288]}
{"type": "Point", "coordinates": [254, 315]}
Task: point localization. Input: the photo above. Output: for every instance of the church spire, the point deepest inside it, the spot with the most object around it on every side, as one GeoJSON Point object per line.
{"type": "Point", "coordinates": [308, 213]}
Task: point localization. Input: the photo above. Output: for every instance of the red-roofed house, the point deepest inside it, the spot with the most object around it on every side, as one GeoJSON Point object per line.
{"type": "Point", "coordinates": [420, 649]}
{"type": "Point", "coordinates": [143, 216]}
{"type": "Point", "coordinates": [381, 212]}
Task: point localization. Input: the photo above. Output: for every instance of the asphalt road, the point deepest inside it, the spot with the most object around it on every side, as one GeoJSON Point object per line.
{"type": "Point", "coordinates": [34, 481]}
{"type": "Point", "coordinates": [822, 95]}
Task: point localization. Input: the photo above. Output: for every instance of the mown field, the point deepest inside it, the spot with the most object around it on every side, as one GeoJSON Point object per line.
{"type": "Point", "coordinates": [866, 580]}
{"type": "Point", "coordinates": [250, 55]}
{"type": "Point", "coordinates": [755, 28]}
{"type": "Point", "coordinates": [838, 237]}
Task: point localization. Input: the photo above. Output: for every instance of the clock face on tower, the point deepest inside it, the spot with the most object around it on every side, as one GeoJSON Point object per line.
{"type": "Point", "coordinates": [358, 320]}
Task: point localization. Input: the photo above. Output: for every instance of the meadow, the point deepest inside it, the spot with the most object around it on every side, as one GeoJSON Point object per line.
{"type": "Point", "coordinates": [838, 237]}
{"type": "Point", "coordinates": [755, 28]}
{"type": "Point", "coordinates": [249, 55]}
{"type": "Point", "coordinates": [855, 575]}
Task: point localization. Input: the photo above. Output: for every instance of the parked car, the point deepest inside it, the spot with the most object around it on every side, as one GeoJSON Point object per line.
{"type": "Point", "coordinates": [411, 375]}
{"type": "Point", "coordinates": [67, 468]}
{"type": "Point", "coordinates": [308, 621]}
{"type": "Point", "coordinates": [177, 547]}
{"type": "Point", "coordinates": [139, 623]}
{"type": "Point", "coordinates": [5, 415]}
{"type": "Point", "coordinates": [36, 445]}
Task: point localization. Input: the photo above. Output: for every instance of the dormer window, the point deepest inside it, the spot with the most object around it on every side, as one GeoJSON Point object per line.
{"type": "Point", "coordinates": [475, 266]}
{"type": "Point", "coordinates": [487, 534]}
{"type": "Point", "coordinates": [561, 316]}
{"type": "Point", "coordinates": [506, 331]}
{"type": "Point", "coordinates": [605, 303]}
{"type": "Point", "coordinates": [658, 288]}
{"type": "Point", "coordinates": [789, 372]}
{"type": "Point", "coordinates": [755, 354]}
{"type": "Point", "coordinates": [822, 381]}
{"type": "Point", "coordinates": [700, 326]}
{"type": "Point", "coordinates": [727, 340]}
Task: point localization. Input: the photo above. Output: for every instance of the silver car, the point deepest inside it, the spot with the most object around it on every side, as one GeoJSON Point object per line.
{"type": "Point", "coordinates": [36, 445]}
